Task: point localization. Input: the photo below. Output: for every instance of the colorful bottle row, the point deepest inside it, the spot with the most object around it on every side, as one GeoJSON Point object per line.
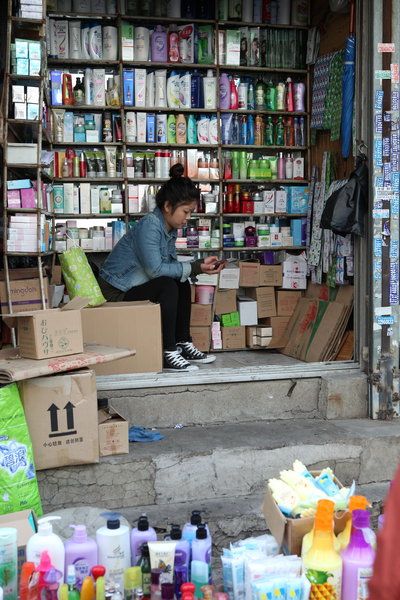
{"type": "Point", "coordinates": [260, 131]}
{"type": "Point", "coordinates": [244, 94]}
{"type": "Point", "coordinates": [275, 12]}
{"type": "Point", "coordinates": [282, 200]}
{"type": "Point", "coordinates": [243, 165]}
{"type": "Point", "coordinates": [95, 88]}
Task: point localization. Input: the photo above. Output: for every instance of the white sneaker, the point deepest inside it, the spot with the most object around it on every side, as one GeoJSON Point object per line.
{"type": "Point", "coordinates": [190, 352]}
{"type": "Point", "coordinates": [174, 362]}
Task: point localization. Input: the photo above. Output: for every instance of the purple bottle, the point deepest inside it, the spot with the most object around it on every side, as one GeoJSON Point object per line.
{"type": "Point", "coordinates": [358, 558]}
{"type": "Point", "coordinates": [182, 558]}
{"type": "Point", "coordinates": [140, 535]}
{"type": "Point", "coordinates": [159, 45]}
{"type": "Point", "coordinates": [81, 552]}
{"type": "Point", "coordinates": [299, 91]}
{"type": "Point", "coordinates": [201, 548]}
{"type": "Point", "coordinates": [224, 92]}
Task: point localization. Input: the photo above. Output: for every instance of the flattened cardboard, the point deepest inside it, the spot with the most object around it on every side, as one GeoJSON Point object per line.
{"type": "Point", "coordinates": [133, 325]}
{"type": "Point", "coordinates": [60, 411]}
{"type": "Point", "coordinates": [286, 302]}
{"type": "Point", "coordinates": [113, 432]}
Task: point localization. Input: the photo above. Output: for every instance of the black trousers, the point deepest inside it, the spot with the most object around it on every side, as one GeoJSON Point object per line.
{"type": "Point", "coordinates": [174, 299]}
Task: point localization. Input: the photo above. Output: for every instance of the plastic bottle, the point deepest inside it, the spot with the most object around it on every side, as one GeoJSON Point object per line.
{"type": "Point", "coordinates": [235, 137]}
{"type": "Point", "coordinates": [81, 552]}
{"type": "Point", "coordinates": [181, 134]}
{"type": "Point", "coordinates": [280, 132]}
{"type": "Point", "coordinates": [243, 130]}
{"type": "Point", "coordinates": [213, 130]}
{"type": "Point", "coordinates": [269, 132]}
{"type": "Point", "coordinates": [258, 131]}
{"type": "Point", "coordinates": [141, 534]}
{"type": "Point", "coordinates": [173, 44]}
{"type": "Point", "coordinates": [281, 166]}
{"type": "Point", "coordinates": [324, 507]}
{"type": "Point", "coordinates": [289, 100]}
{"type": "Point", "coordinates": [73, 593]}
{"type": "Point", "coordinates": [191, 130]}
{"type": "Point", "coordinates": [45, 539]}
{"type": "Point", "coordinates": [233, 96]}
{"type": "Point", "coordinates": [159, 45]}
{"type": "Point", "coordinates": [88, 82]}
{"type": "Point", "coordinates": [260, 95]}
{"type": "Point", "coordinates": [79, 92]}
{"type": "Point", "coordinates": [9, 562]}
{"type": "Point", "coordinates": [280, 96]}
{"type": "Point", "coordinates": [224, 92]}
{"type": "Point", "coordinates": [182, 557]}
{"type": "Point", "coordinates": [173, 90]}
{"type": "Point", "coordinates": [250, 97]}
{"type": "Point", "coordinates": [299, 90]}
{"type": "Point", "coordinates": [201, 547]}
{"type": "Point", "coordinates": [358, 558]}
{"type": "Point", "coordinates": [190, 528]}
{"type": "Point", "coordinates": [144, 564]}
{"type": "Point", "coordinates": [270, 96]}
{"type": "Point", "coordinates": [196, 88]}
{"type": "Point", "coordinates": [322, 564]}
{"type": "Point", "coordinates": [210, 90]}
{"type": "Point", "coordinates": [114, 548]}
{"type": "Point", "coordinates": [250, 130]}
{"type": "Point", "coordinates": [171, 134]}
{"type": "Point", "coordinates": [355, 503]}
{"type": "Point", "coordinates": [185, 100]}
{"type": "Point", "coordinates": [242, 95]}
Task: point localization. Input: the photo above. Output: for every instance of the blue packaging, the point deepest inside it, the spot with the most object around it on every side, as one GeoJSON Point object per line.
{"type": "Point", "coordinates": [296, 231]}
{"type": "Point", "coordinates": [298, 199]}
{"type": "Point", "coordinates": [22, 66]}
{"type": "Point", "coordinates": [250, 130]}
{"type": "Point", "coordinates": [118, 231]}
{"type": "Point", "coordinates": [19, 184]}
{"type": "Point", "coordinates": [56, 87]}
{"type": "Point", "coordinates": [129, 89]}
{"type": "Point", "coordinates": [196, 90]}
{"type": "Point", "coordinates": [150, 127]}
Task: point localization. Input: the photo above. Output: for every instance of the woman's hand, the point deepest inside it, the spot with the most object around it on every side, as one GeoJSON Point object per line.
{"type": "Point", "coordinates": [212, 265]}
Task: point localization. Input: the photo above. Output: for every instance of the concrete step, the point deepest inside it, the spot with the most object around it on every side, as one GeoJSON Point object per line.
{"type": "Point", "coordinates": [340, 395]}
{"type": "Point", "coordinates": [223, 470]}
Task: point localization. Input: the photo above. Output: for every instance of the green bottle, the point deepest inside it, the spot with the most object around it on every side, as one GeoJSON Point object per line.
{"type": "Point", "coordinates": [260, 95]}
{"type": "Point", "coordinates": [144, 564]}
{"type": "Point", "coordinates": [171, 129]}
{"type": "Point", "coordinates": [269, 132]}
{"type": "Point", "coordinates": [191, 130]}
{"type": "Point", "coordinates": [280, 132]}
{"type": "Point", "coordinates": [270, 96]}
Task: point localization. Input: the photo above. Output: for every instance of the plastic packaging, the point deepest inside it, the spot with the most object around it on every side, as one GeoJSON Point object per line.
{"type": "Point", "coordinates": [9, 562]}
{"type": "Point", "coordinates": [85, 45]}
{"type": "Point", "coordinates": [162, 556]}
{"type": "Point", "coordinates": [224, 92]}
{"type": "Point", "coordinates": [191, 130]}
{"type": "Point", "coordinates": [355, 503]}
{"type": "Point", "coordinates": [114, 547]}
{"type": "Point", "coordinates": [45, 539]}
{"type": "Point", "coordinates": [142, 44]}
{"type": "Point", "coordinates": [171, 129]}
{"type": "Point", "coordinates": [173, 44]}
{"type": "Point", "coordinates": [299, 90]}
{"type": "Point", "coordinates": [88, 83]}
{"type": "Point", "coordinates": [210, 90]}
{"type": "Point", "coordinates": [95, 42]}
{"type": "Point", "coordinates": [110, 43]}
{"type": "Point", "coordinates": [185, 90]}
{"type": "Point", "coordinates": [196, 87]}
{"type": "Point", "coordinates": [181, 134]}
{"type": "Point", "coordinates": [75, 39]}
{"type": "Point", "coordinates": [81, 552]}
{"type": "Point", "coordinates": [160, 99]}
{"type": "Point", "coordinates": [233, 96]}
{"type": "Point", "coordinates": [141, 534]}
{"type": "Point", "coordinates": [130, 126]}
{"type": "Point", "coordinates": [73, 593]}
{"type": "Point", "coordinates": [159, 45]}
{"type": "Point", "coordinates": [173, 89]}
{"type": "Point", "coordinates": [182, 556]}
{"type": "Point", "coordinates": [358, 558]}
{"type": "Point", "coordinates": [289, 99]}
{"type": "Point", "coordinates": [203, 126]}
{"type": "Point", "coordinates": [213, 130]}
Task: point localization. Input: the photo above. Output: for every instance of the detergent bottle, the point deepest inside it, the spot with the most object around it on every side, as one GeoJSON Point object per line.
{"type": "Point", "coordinates": [358, 558]}
{"type": "Point", "coordinates": [324, 507]}
{"type": "Point", "coordinates": [355, 503]}
{"type": "Point", "coordinates": [322, 564]}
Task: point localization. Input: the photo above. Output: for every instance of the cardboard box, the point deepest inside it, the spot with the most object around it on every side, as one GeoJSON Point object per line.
{"type": "Point", "coordinates": [270, 275]}
{"type": "Point", "coordinates": [249, 273]}
{"type": "Point", "coordinates": [48, 333]}
{"type": "Point", "coordinates": [225, 301]}
{"type": "Point", "coordinates": [25, 522]}
{"type": "Point", "coordinates": [278, 325]}
{"type": "Point", "coordinates": [25, 295]}
{"type": "Point", "coordinates": [247, 309]}
{"type": "Point", "coordinates": [60, 411]}
{"type": "Point", "coordinates": [113, 432]}
{"type": "Point", "coordinates": [288, 532]}
{"type": "Point", "coordinates": [229, 277]}
{"type": "Point", "coordinates": [201, 337]}
{"type": "Point", "coordinates": [265, 297]}
{"type": "Point", "coordinates": [134, 325]}
{"type": "Point", "coordinates": [201, 315]}
{"type": "Point", "coordinates": [233, 338]}
{"type": "Point", "coordinates": [286, 303]}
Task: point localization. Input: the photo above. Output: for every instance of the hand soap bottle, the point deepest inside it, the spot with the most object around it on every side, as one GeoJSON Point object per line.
{"type": "Point", "coordinates": [45, 539]}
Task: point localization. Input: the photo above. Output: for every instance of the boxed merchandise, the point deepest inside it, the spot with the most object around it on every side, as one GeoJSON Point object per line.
{"type": "Point", "coordinates": [247, 309]}
{"type": "Point", "coordinates": [229, 277]}
{"type": "Point", "coordinates": [25, 522]}
{"type": "Point", "coordinates": [249, 273]}
{"type": "Point", "coordinates": [286, 302]}
{"type": "Point", "coordinates": [113, 432]}
{"type": "Point", "coordinates": [294, 273]}
{"type": "Point", "coordinates": [265, 297]}
{"type": "Point", "coordinates": [225, 302]}
{"type": "Point", "coordinates": [51, 332]}
{"type": "Point", "coordinates": [60, 411]}
{"type": "Point", "coordinates": [230, 320]}
{"type": "Point", "coordinates": [20, 154]}
{"type": "Point", "coordinates": [25, 295]}
{"type": "Point", "coordinates": [233, 338]}
{"type": "Point", "coordinates": [270, 275]}
{"type": "Point", "coordinates": [134, 325]}
{"type": "Point", "coordinates": [201, 337]}
{"type": "Point", "coordinates": [201, 315]}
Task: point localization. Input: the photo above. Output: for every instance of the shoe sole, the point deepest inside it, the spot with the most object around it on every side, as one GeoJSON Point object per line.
{"type": "Point", "coordinates": [190, 369]}
{"type": "Point", "coordinates": [210, 359]}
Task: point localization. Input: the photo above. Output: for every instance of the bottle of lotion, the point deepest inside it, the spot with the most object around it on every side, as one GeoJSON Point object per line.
{"type": "Point", "coordinates": [192, 130]}
{"type": "Point", "coordinates": [143, 532]}
{"type": "Point", "coordinates": [224, 92]}
{"type": "Point", "coordinates": [181, 129]}
{"type": "Point", "coordinates": [182, 557]}
{"type": "Point", "coordinates": [210, 90]}
{"type": "Point", "coordinates": [159, 45]}
{"type": "Point", "coordinates": [173, 90]}
{"type": "Point", "coordinates": [81, 552]}
{"type": "Point", "coordinates": [201, 548]}
{"type": "Point", "coordinates": [45, 539]}
{"type": "Point", "coordinates": [114, 548]}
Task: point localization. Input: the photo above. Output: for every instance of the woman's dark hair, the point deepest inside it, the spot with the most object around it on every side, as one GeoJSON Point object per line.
{"type": "Point", "coordinates": [178, 190]}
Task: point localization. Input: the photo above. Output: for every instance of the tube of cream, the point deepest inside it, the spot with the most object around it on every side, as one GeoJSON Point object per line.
{"type": "Point", "coordinates": [111, 160]}
{"type": "Point", "coordinates": [58, 116]}
{"type": "Point", "coordinates": [226, 128]}
{"type": "Point", "coordinates": [162, 556]}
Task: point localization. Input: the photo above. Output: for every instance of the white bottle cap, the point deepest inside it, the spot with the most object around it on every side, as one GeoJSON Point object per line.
{"type": "Point", "coordinates": [45, 526]}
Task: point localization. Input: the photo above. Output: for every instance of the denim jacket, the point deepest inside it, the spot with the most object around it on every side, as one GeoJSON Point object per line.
{"type": "Point", "coordinates": [147, 251]}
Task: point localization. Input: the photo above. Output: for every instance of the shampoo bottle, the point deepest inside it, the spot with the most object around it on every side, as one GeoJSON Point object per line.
{"type": "Point", "coordinates": [81, 552]}
{"type": "Point", "coordinates": [171, 129]}
{"type": "Point", "coordinates": [191, 130]}
{"type": "Point", "coordinates": [289, 100]}
{"type": "Point", "coordinates": [185, 99]}
{"type": "Point", "coordinates": [173, 44]}
{"type": "Point", "coordinates": [140, 535]}
{"type": "Point", "coordinates": [250, 130]}
{"type": "Point", "coordinates": [8, 562]}
{"type": "Point", "coordinates": [196, 87]}
{"type": "Point", "coordinates": [224, 92]}
{"type": "Point", "coordinates": [201, 548]}
{"type": "Point", "coordinates": [114, 548]}
{"type": "Point", "coordinates": [181, 133]}
{"type": "Point", "coordinates": [210, 90]}
{"type": "Point", "coordinates": [45, 539]}
{"type": "Point", "coordinates": [173, 89]}
{"type": "Point", "coordinates": [234, 101]}
{"type": "Point", "coordinates": [358, 558]}
{"type": "Point", "coordinates": [159, 45]}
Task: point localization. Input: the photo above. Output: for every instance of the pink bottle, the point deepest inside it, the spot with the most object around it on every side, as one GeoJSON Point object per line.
{"type": "Point", "coordinates": [289, 101]}
{"type": "Point", "coordinates": [159, 45]}
{"type": "Point", "coordinates": [358, 558]}
{"type": "Point", "coordinates": [173, 44]}
{"type": "Point", "coordinates": [234, 96]}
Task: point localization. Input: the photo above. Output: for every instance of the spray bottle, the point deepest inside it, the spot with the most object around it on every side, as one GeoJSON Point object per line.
{"type": "Point", "coordinates": [81, 552]}
{"type": "Point", "coordinates": [140, 535]}
{"type": "Point", "coordinates": [358, 558]}
{"type": "Point", "coordinates": [113, 547]}
{"type": "Point", "coordinates": [45, 539]}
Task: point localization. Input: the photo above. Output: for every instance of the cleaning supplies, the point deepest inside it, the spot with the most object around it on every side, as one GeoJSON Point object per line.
{"type": "Point", "coordinates": [355, 503]}
{"type": "Point", "coordinates": [45, 539]}
{"type": "Point", "coordinates": [8, 562]}
{"type": "Point", "coordinates": [139, 535]}
{"type": "Point", "coordinates": [81, 552]}
{"type": "Point", "coordinates": [358, 558]}
{"type": "Point", "coordinates": [322, 564]}
{"type": "Point", "coordinates": [324, 507]}
{"type": "Point", "coordinates": [114, 548]}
